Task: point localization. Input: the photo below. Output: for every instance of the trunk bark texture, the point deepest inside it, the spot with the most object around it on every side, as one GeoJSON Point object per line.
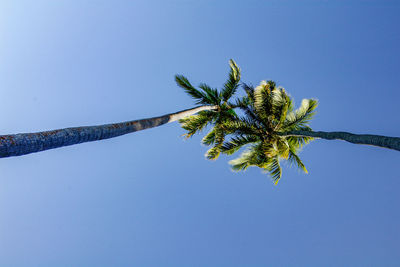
{"type": "Point", "coordinates": [363, 139]}
{"type": "Point", "coordinates": [25, 143]}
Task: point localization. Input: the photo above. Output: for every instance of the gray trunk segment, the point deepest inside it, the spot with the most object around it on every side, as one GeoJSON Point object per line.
{"type": "Point", "coordinates": [363, 139]}
{"type": "Point", "coordinates": [26, 143]}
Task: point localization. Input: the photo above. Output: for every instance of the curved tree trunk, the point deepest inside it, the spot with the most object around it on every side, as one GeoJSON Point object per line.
{"type": "Point", "coordinates": [25, 143]}
{"type": "Point", "coordinates": [363, 139]}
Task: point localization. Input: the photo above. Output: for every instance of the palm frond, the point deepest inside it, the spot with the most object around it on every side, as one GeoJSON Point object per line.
{"type": "Point", "coordinates": [241, 163]}
{"type": "Point", "coordinates": [240, 126]}
{"type": "Point", "coordinates": [249, 89]}
{"type": "Point", "coordinates": [195, 123]}
{"type": "Point", "coordinates": [200, 97]}
{"type": "Point", "coordinates": [297, 142]}
{"type": "Point", "coordinates": [269, 148]}
{"type": "Point", "coordinates": [281, 104]}
{"type": "Point", "coordinates": [212, 94]}
{"type": "Point", "coordinates": [271, 84]}
{"type": "Point", "coordinates": [219, 138]}
{"type": "Point", "coordinates": [209, 138]}
{"type": "Point", "coordinates": [293, 158]}
{"type": "Point", "coordinates": [262, 101]}
{"type": "Point", "coordinates": [251, 157]}
{"type": "Point", "coordinates": [232, 83]}
{"type": "Point", "coordinates": [246, 106]}
{"type": "Point", "coordinates": [235, 143]}
{"type": "Point", "coordinates": [301, 116]}
{"type": "Point", "coordinates": [283, 148]}
{"type": "Point", "coordinates": [274, 169]}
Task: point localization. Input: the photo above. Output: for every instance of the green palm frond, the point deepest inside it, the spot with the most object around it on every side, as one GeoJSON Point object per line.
{"type": "Point", "coordinates": [237, 142]}
{"type": "Point", "coordinates": [271, 84]}
{"type": "Point", "coordinates": [219, 138]}
{"type": "Point", "coordinates": [195, 123]}
{"type": "Point", "coordinates": [209, 138]}
{"type": "Point", "coordinates": [262, 100]}
{"type": "Point", "coordinates": [283, 148]}
{"type": "Point", "coordinates": [249, 89]}
{"type": "Point", "coordinates": [301, 116]}
{"type": "Point", "coordinates": [241, 163]}
{"type": "Point", "coordinates": [245, 104]}
{"type": "Point", "coordinates": [274, 169]}
{"type": "Point", "coordinates": [213, 153]}
{"type": "Point", "coordinates": [212, 94]}
{"type": "Point", "coordinates": [240, 126]}
{"type": "Point", "coordinates": [298, 142]}
{"type": "Point", "coordinates": [293, 158]}
{"type": "Point", "coordinates": [200, 97]}
{"type": "Point", "coordinates": [242, 102]}
{"type": "Point", "coordinates": [253, 156]}
{"type": "Point", "coordinates": [281, 104]}
{"type": "Point", "coordinates": [230, 113]}
{"type": "Point", "coordinates": [232, 83]}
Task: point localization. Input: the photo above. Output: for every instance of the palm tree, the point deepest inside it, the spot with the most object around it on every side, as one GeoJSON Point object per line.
{"type": "Point", "coordinates": [272, 130]}
{"type": "Point", "coordinates": [213, 108]}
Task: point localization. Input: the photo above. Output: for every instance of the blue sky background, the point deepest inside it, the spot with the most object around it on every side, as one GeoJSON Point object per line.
{"type": "Point", "coordinates": [150, 198]}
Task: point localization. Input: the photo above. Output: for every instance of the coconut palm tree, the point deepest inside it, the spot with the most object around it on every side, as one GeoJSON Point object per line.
{"type": "Point", "coordinates": [272, 130]}
{"type": "Point", "coordinates": [213, 108]}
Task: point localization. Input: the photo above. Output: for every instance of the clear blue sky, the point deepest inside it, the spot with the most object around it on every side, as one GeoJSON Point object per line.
{"type": "Point", "coordinates": [150, 198]}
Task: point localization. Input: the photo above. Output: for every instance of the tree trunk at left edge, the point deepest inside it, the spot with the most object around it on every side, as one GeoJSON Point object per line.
{"type": "Point", "coordinates": [26, 143]}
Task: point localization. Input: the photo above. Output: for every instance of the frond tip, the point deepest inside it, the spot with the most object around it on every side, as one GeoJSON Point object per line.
{"type": "Point", "coordinates": [232, 83]}
{"type": "Point", "coordinates": [184, 83]}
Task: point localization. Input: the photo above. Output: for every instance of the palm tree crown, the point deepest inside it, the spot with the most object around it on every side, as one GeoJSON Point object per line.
{"type": "Point", "coordinates": [219, 117]}
{"type": "Point", "coordinates": [268, 112]}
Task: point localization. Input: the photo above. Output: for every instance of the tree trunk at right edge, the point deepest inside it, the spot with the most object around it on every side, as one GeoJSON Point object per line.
{"type": "Point", "coordinates": [363, 139]}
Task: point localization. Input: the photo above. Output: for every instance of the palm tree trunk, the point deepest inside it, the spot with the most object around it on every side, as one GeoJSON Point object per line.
{"type": "Point", "coordinates": [25, 143]}
{"type": "Point", "coordinates": [363, 139]}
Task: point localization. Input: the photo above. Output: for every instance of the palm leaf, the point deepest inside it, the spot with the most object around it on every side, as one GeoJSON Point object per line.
{"type": "Point", "coordinates": [232, 83]}
{"type": "Point", "coordinates": [301, 116]}
{"type": "Point", "coordinates": [246, 106]}
{"type": "Point", "coordinates": [211, 93]}
{"type": "Point", "coordinates": [209, 138]}
{"type": "Point", "coordinates": [249, 91]}
{"type": "Point", "coordinates": [200, 97]}
{"type": "Point", "coordinates": [293, 158]}
{"type": "Point", "coordinates": [195, 123]}
{"type": "Point", "coordinates": [248, 158]}
{"type": "Point", "coordinates": [240, 126]}
{"type": "Point", "coordinates": [281, 104]}
{"type": "Point", "coordinates": [219, 138]}
{"type": "Point", "coordinates": [274, 169]}
{"type": "Point", "coordinates": [237, 142]}
{"type": "Point", "coordinates": [262, 101]}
